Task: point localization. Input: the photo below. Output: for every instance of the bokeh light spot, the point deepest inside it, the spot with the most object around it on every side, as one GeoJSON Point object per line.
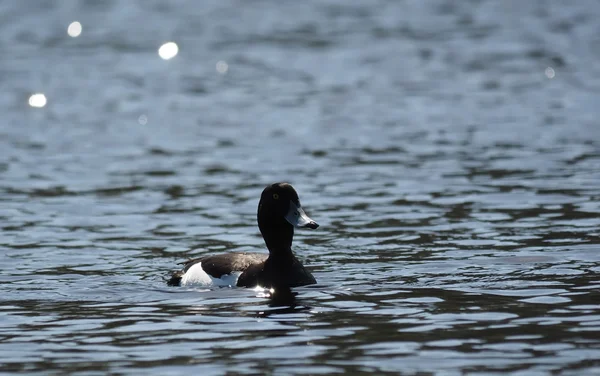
{"type": "Point", "coordinates": [168, 50]}
{"type": "Point", "coordinates": [222, 67]}
{"type": "Point", "coordinates": [74, 29]}
{"type": "Point", "coordinates": [37, 100]}
{"type": "Point", "coordinates": [549, 72]}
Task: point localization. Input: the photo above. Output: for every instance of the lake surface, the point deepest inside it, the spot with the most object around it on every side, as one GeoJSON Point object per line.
{"type": "Point", "coordinates": [450, 152]}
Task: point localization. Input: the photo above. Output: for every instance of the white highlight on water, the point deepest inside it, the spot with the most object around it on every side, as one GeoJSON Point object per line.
{"type": "Point", "coordinates": [263, 292]}
{"type": "Point", "coordinates": [222, 67]}
{"type": "Point", "coordinates": [74, 29]}
{"type": "Point", "coordinates": [37, 100]}
{"type": "Point", "coordinates": [168, 50]}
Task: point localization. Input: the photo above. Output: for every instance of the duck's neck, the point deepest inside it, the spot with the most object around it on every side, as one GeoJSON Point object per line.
{"type": "Point", "coordinates": [282, 256]}
{"type": "Point", "coordinates": [279, 242]}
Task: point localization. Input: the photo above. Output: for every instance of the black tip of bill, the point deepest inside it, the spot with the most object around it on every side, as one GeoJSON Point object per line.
{"type": "Point", "coordinates": [312, 224]}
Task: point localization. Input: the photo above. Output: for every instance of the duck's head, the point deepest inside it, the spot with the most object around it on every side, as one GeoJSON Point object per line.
{"type": "Point", "coordinates": [279, 211]}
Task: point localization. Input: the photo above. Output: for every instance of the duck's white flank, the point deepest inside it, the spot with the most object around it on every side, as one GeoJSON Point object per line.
{"type": "Point", "coordinates": [196, 276]}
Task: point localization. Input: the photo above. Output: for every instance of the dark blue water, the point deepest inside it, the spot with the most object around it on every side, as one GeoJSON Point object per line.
{"type": "Point", "coordinates": [449, 150]}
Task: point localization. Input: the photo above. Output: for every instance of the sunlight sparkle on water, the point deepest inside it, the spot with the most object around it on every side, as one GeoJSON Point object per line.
{"type": "Point", "coordinates": [168, 50]}
{"type": "Point", "coordinates": [37, 100]}
{"type": "Point", "coordinates": [74, 29]}
{"type": "Point", "coordinates": [262, 292]}
{"type": "Point", "coordinates": [222, 67]}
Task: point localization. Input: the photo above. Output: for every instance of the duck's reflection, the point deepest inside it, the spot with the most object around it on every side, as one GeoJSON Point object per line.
{"type": "Point", "coordinates": [282, 300]}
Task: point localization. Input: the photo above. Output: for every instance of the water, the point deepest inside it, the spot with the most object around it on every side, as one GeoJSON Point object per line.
{"type": "Point", "coordinates": [449, 150]}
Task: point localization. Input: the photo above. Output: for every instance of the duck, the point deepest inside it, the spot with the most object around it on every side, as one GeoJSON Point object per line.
{"type": "Point", "coordinates": [279, 213]}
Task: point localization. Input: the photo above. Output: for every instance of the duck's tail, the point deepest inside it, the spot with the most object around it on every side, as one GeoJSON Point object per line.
{"type": "Point", "coordinates": [175, 279]}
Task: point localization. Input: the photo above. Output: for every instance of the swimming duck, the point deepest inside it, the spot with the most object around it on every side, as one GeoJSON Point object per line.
{"type": "Point", "coordinates": [279, 211]}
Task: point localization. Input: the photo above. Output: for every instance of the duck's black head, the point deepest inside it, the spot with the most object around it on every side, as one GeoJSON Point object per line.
{"type": "Point", "coordinates": [279, 211]}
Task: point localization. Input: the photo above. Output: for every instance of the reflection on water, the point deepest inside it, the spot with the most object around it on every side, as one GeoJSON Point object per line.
{"type": "Point", "coordinates": [37, 100]}
{"type": "Point", "coordinates": [449, 151]}
{"type": "Point", "coordinates": [168, 50]}
{"type": "Point", "coordinates": [74, 29]}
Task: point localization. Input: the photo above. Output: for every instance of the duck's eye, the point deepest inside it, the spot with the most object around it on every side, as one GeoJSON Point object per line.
{"type": "Point", "coordinates": [275, 196]}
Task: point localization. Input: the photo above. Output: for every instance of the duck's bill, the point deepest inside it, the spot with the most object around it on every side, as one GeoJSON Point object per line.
{"type": "Point", "coordinates": [298, 218]}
